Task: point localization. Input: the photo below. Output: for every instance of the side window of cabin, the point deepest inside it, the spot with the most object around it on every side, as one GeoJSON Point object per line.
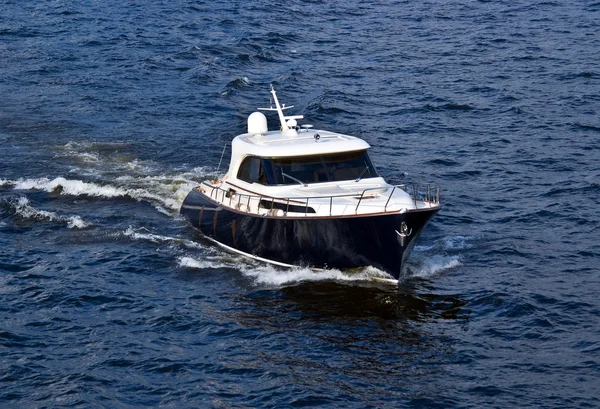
{"type": "Point", "coordinates": [251, 170]}
{"type": "Point", "coordinates": [244, 171]}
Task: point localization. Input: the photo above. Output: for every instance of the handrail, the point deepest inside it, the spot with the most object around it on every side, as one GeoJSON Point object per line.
{"type": "Point", "coordinates": [254, 193]}
{"type": "Point", "coordinates": [389, 197]}
{"type": "Point", "coordinates": [363, 194]}
{"type": "Point", "coordinates": [422, 195]}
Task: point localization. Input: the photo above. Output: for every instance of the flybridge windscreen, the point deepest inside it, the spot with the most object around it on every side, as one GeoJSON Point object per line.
{"type": "Point", "coordinates": [307, 169]}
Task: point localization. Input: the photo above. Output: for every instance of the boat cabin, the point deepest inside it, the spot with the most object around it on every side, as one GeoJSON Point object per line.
{"type": "Point", "coordinates": [271, 160]}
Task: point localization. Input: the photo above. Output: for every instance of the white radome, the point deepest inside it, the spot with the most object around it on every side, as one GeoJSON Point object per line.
{"type": "Point", "coordinates": [257, 123]}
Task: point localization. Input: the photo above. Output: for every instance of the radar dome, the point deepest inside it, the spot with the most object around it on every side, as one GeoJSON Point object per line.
{"type": "Point", "coordinates": [257, 123]}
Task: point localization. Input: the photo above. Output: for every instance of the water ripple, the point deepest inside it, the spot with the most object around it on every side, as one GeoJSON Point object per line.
{"type": "Point", "coordinates": [110, 114]}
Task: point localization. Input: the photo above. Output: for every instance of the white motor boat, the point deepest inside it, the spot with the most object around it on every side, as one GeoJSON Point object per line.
{"type": "Point", "coordinates": [297, 196]}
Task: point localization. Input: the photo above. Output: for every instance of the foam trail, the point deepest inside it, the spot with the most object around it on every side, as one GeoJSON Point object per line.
{"type": "Point", "coordinates": [442, 255]}
{"type": "Point", "coordinates": [102, 157]}
{"type": "Point", "coordinates": [267, 274]}
{"type": "Point", "coordinates": [155, 238]}
{"type": "Point", "coordinates": [89, 157]}
{"type": "Point", "coordinates": [68, 187]}
{"type": "Point", "coordinates": [24, 209]}
{"type": "Point", "coordinates": [167, 198]}
{"type": "Point", "coordinates": [270, 275]}
{"type": "Point", "coordinates": [76, 222]}
{"type": "Point", "coordinates": [458, 242]}
{"type": "Point", "coordinates": [130, 232]}
{"type": "Point", "coordinates": [423, 267]}
{"type": "Point", "coordinates": [432, 265]}
{"type": "Point", "coordinates": [450, 243]}
{"type": "Point", "coordinates": [189, 262]}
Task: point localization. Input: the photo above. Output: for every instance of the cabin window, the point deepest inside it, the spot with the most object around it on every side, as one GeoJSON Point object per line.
{"type": "Point", "coordinates": [251, 170]}
{"type": "Point", "coordinates": [307, 169]}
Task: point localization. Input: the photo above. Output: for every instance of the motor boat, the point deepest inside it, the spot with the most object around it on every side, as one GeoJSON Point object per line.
{"type": "Point", "coordinates": [297, 196]}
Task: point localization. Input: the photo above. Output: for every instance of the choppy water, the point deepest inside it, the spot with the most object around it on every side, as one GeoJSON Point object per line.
{"type": "Point", "coordinates": [111, 111]}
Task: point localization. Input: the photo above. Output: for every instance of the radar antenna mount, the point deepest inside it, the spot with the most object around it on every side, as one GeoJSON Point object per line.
{"type": "Point", "coordinates": [288, 123]}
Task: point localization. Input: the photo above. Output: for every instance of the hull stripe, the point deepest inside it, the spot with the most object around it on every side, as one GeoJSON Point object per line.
{"type": "Point", "coordinates": [252, 256]}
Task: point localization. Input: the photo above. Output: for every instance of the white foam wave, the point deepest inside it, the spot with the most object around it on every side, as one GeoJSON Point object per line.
{"type": "Point", "coordinates": [104, 157]}
{"type": "Point", "coordinates": [447, 243]}
{"type": "Point", "coordinates": [422, 266]}
{"type": "Point", "coordinates": [189, 262]}
{"type": "Point", "coordinates": [271, 275]}
{"type": "Point", "coordinates": [134, 234]}
{"type": "Point", "coordinates": [443, 254]}
{"type": "Point", "coordinates": [89, 157]}
{"type": "Point", "coordinates": [69, 187]}
{"type": "Point", "coordinates": [432, 265]}
{"type": "Point", "coordinates": [198, 173]}
{"type": "Point", "coordinates": [458, 242]}
{"type": "Point", "coordinates": [24, 209]}
{"type": "Point", "coordinates": [76, 222]}
{"type": "Point", "coordinates": [155, 238]}
{"type": "Point", "coordinates": [166, 197]}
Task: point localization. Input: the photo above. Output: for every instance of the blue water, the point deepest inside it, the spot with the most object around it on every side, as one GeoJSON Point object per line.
{"type": "Point", "coordinates": [111, 111]}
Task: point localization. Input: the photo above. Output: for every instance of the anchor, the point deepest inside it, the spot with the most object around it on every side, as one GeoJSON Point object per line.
{"type": "Point", "coordinates": [403, 233]}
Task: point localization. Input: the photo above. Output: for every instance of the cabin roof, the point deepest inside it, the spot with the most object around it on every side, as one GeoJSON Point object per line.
{"type": "Point", "coordinates": [307, 142]}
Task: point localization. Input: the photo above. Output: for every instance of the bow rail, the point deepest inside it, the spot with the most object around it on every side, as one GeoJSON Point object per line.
{"type": "Point", "coordinates": [423, 196]}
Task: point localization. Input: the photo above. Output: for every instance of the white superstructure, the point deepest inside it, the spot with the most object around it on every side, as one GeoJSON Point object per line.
{"type": "Point", "coordinates": [300, 172]}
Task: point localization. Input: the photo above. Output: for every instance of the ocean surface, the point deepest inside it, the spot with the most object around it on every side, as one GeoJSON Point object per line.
{"type": "Point", "coordinates": [110, 112]}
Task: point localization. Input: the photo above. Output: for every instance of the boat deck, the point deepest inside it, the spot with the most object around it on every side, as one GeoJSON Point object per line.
{"type": "Point", "coordinates": [339, 202]}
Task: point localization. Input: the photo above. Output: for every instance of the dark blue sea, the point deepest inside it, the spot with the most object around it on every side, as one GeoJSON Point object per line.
{"type": "Point", "coordinates": [111, 111]}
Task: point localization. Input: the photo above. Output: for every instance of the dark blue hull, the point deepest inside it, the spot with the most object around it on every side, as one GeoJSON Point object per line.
{"type": "Point", "coordinates": [322, 242]}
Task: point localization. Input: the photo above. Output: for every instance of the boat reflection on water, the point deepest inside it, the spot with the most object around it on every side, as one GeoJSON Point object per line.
{"type": "Point", "coordinates": [321, 333]}
{"type": "Point", "coordinates": [326, 300]}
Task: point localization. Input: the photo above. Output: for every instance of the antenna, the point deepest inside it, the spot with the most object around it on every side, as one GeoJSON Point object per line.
{"type": "Point", "coordinates": [223, 153]}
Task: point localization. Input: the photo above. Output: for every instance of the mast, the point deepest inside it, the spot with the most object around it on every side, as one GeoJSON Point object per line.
{"type": "Point", "coordinates": [282, 118]}
{"type": "Point", "coordinates": [288, 123]}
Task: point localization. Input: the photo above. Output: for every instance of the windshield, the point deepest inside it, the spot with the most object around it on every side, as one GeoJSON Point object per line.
{"type": "Point", "coordinates": [307, 169]}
